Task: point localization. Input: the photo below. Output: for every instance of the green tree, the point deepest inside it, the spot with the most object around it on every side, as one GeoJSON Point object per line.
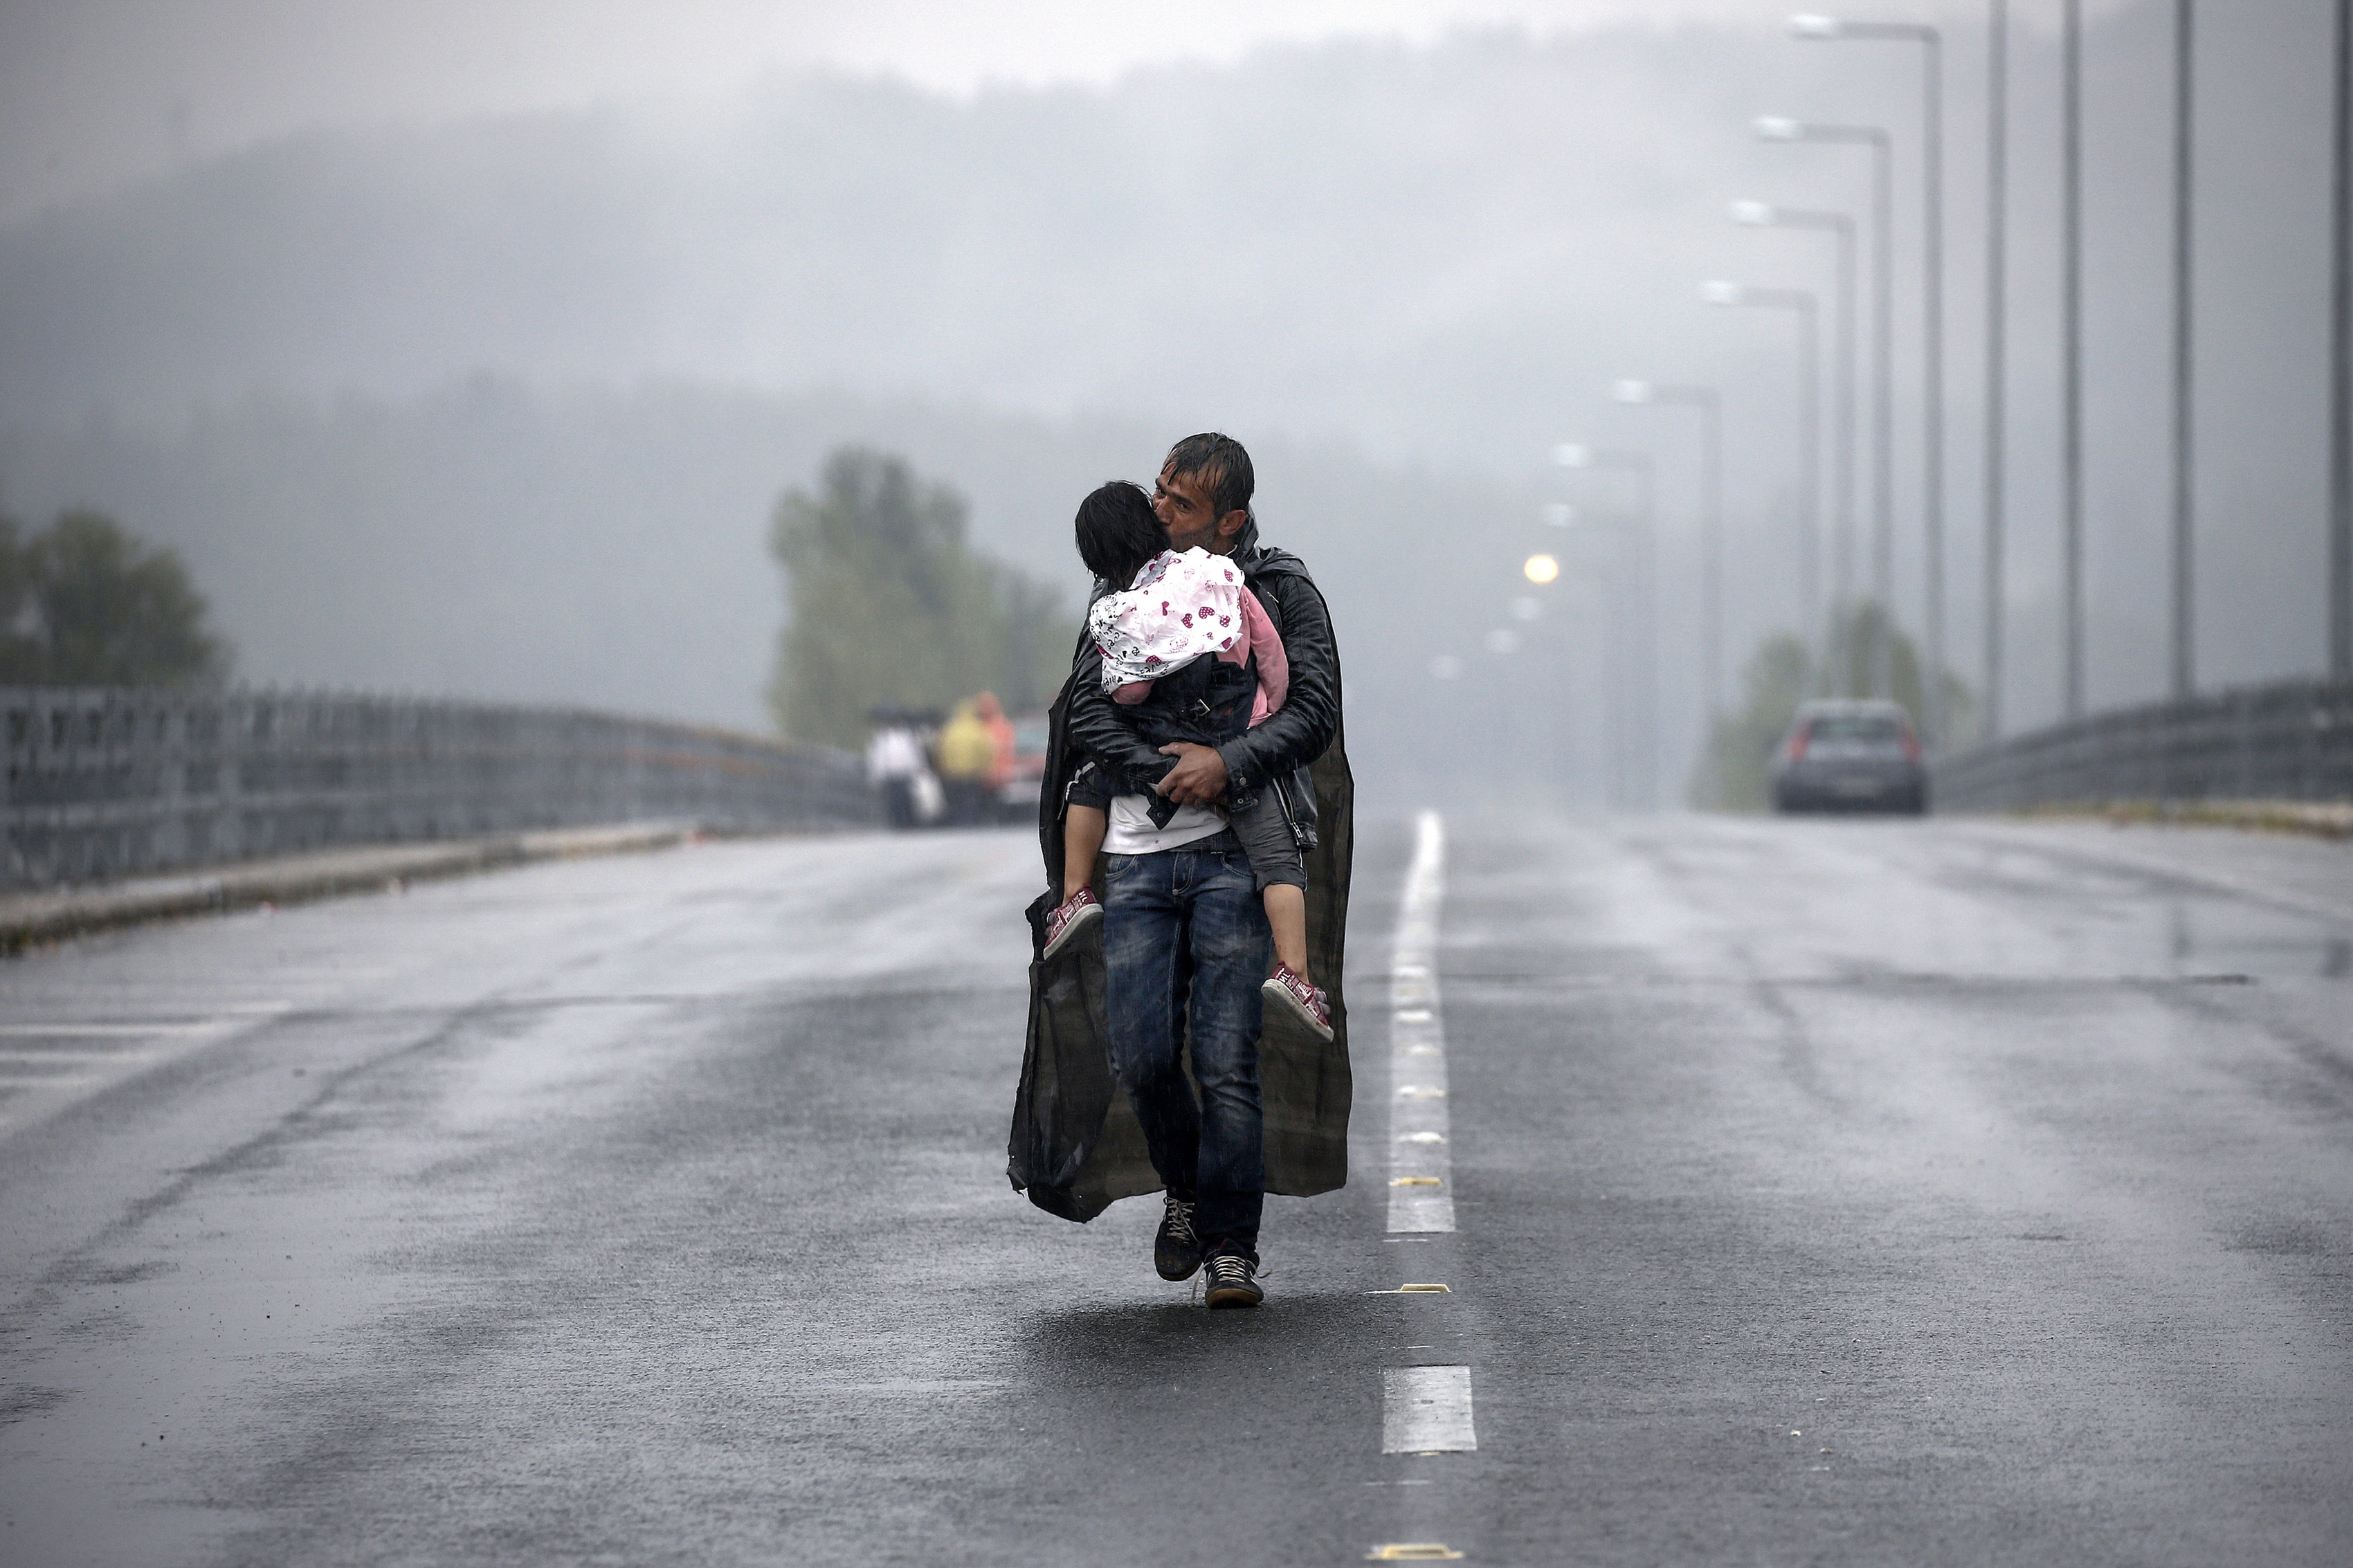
{"type": "Point", "coordinates": [86, 603]}
{"type": "Point", "coordinates": [1734, 768]}
{"type": "Point", "coordinates": [885, 604]}
{"type": "Point", "coordinates": [20, 650]}
{"type": "Point", "coordinates": [1732, 771]}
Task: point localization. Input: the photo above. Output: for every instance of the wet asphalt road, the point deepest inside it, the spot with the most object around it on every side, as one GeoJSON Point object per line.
{"type": "Point", "coordinates": [1828, 1191]}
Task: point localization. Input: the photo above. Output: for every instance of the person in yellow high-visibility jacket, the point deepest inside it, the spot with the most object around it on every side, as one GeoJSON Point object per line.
{"type": "Point", "coordinates": [966, 751]}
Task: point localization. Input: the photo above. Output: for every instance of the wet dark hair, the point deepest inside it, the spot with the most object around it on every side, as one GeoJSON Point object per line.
{"type": "Point", "coordinates": [1222, 465]}
{"type": "Point", "coordinates": [1118, 532]}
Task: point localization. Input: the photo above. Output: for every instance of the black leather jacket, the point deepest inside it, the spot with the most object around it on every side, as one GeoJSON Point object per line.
{"type": "Point", "coordinates": [1292, 737]}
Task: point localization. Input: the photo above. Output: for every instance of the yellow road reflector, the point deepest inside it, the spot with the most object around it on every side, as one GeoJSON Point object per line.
{"type": "Point", "coordinates": [1420, 1091]}
{"type": "Point", "coordinates": [1416, 1182]}
{"type": "Point", "coordinates": [1413, 1551]}
{"type": "Point", "coordinates": [1413, 1291]}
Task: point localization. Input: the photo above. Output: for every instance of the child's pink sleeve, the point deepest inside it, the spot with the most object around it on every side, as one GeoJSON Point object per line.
{"type": "Point", "coordinates": [1273, 664]}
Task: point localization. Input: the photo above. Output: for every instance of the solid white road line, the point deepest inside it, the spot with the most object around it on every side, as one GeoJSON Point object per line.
{"type": "Point", "coordinates": [1422, 1196]}
{"type": "Point", "coordinates": [103, 1031]}
{"type": "Point", "coordinates": [1427, 1410]}
{"type": "Point", "coordinates": [67, 1054]}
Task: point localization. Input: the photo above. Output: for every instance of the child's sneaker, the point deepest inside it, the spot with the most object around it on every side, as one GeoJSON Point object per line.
{"type": "Point", "coordinates": [1070, 920]}
{"type": "Point", "coordinates": [1291, 988]}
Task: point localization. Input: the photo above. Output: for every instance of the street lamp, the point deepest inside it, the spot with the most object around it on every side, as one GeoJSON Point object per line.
{"type": "Point", "coordinates": [2340, 362]}
{"type": "Point", "coordinates": [1761, 214]}
{"type": "Point", "coordinates": [1640, 602]}
{"type": "Point", "coordinates": [2185, 672]}
{"type": "Point", "coordinates": [1882, 354]}
{"type": "Point", "coordinates": [1711, 410]}
{"type": "Point", "coordinates": [2070, 356]}
{"type": "Point", "coordinates": [1997, 348]}
{"type": "Point", "coordinates": [1932, 148]}
{"type": "Point", "coordinates": [1809, 422]}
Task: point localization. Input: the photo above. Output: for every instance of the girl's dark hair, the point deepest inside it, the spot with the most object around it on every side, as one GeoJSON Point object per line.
{"type": "Point", "coordinates": [1118, 532]}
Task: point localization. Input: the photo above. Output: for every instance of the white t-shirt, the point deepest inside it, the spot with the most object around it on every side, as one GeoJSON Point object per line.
{"type": "Point", "coordinates": [1131, 831]}
{"type": "Point", "coordinates": [894, 754]}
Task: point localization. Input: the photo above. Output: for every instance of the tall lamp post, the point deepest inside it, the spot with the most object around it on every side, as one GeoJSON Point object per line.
{"type": "Point", "coordinates": [1932, 149]}
{"type": "Point", "coordinates": [1761, 214]}
{"type": "Point", "coordinates": [1541, 570]}
{"type": "Point", "coordinates": [1710, 526]}
{"type": "Point", "coordinates": [2185, 668]}
{"type": "Point", "coordinates": [1638, 603]}
{"type": "Point", "coordinates": [2070, 357]}
{"type": "Point", "coordinates": [2340, 367]}
{"type": "Point", "coordinates": [1883, 357]}
{"type": "Point", "coordinates": [1803, 302]}
{"type": "Point", "coordinates": [1997, 347]}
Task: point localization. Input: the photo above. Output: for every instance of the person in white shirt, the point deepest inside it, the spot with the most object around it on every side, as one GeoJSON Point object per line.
{"type": "Point", "coordinates": [894, 763]}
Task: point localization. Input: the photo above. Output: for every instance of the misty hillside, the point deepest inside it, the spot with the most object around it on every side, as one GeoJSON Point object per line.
{"type": "Point", "coordinates": [1361, 239]}
{"type": "Point", "coordinates": [501, 406]}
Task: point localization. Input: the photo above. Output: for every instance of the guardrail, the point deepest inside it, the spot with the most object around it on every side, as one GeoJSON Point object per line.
{"type": "Point", "coordinates": [2290, 740]}
{"type": "Point", "coordinates": [113, 782]}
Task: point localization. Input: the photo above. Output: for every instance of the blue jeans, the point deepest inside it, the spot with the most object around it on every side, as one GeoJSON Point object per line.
{"type": "Point", "coordinates": [1185, 940]}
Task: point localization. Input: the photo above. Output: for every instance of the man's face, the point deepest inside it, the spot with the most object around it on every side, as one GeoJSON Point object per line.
{"type": "Point", "coordinates": [1182, 502]}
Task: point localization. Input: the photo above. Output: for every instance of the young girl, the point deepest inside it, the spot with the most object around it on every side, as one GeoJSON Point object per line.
{"type": "Point", "coordinates": [1172, 610]}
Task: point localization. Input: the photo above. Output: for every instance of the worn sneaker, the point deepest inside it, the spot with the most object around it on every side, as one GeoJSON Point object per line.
{"type": "Point", "coordinates": [1287, 986]}
{"type": "Point", "coordinates": [1070, 920]}
{"type": "Point", "coordinates": [1233, 1281]}
{"type": "Point", "coordinates": [1176, 1251]}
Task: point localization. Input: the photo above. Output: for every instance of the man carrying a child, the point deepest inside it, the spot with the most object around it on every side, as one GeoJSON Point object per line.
{"type": "Point", "coordinates": [1194, 783]}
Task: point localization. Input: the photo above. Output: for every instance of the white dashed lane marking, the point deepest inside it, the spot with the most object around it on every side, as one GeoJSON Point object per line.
{"type": "Point", "coordinates": [1421, 1197]}
{"type": "Point", "coordinates": [1424, 1409]}
{"type": "Point", "coordinates": [1427, 1410]}
{"type": "Point", "coordinates": [39, 1078]}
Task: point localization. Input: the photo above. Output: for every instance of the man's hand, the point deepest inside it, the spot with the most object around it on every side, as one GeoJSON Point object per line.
{"type": "Point", "coordinates": [1197, 779]}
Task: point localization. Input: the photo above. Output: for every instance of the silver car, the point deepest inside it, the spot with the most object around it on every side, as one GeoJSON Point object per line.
{"type": "Point", "coordinates": [1849, 757]}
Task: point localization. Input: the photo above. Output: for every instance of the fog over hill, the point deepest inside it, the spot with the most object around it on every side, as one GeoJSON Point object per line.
{"type": "Point", "coordinates": [501, 407]}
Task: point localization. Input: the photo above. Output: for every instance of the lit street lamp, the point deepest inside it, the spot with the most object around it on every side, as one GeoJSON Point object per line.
{"type": "Point", "coordinates": [1809, 427]}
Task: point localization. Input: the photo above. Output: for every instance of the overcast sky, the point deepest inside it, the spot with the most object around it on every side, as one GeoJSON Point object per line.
{"type": "Point", "coordinates": [93, 92]}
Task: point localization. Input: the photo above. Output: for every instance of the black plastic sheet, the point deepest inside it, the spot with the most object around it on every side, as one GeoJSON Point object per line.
{"type": "Point", "coordinates": [1076, 1146]}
